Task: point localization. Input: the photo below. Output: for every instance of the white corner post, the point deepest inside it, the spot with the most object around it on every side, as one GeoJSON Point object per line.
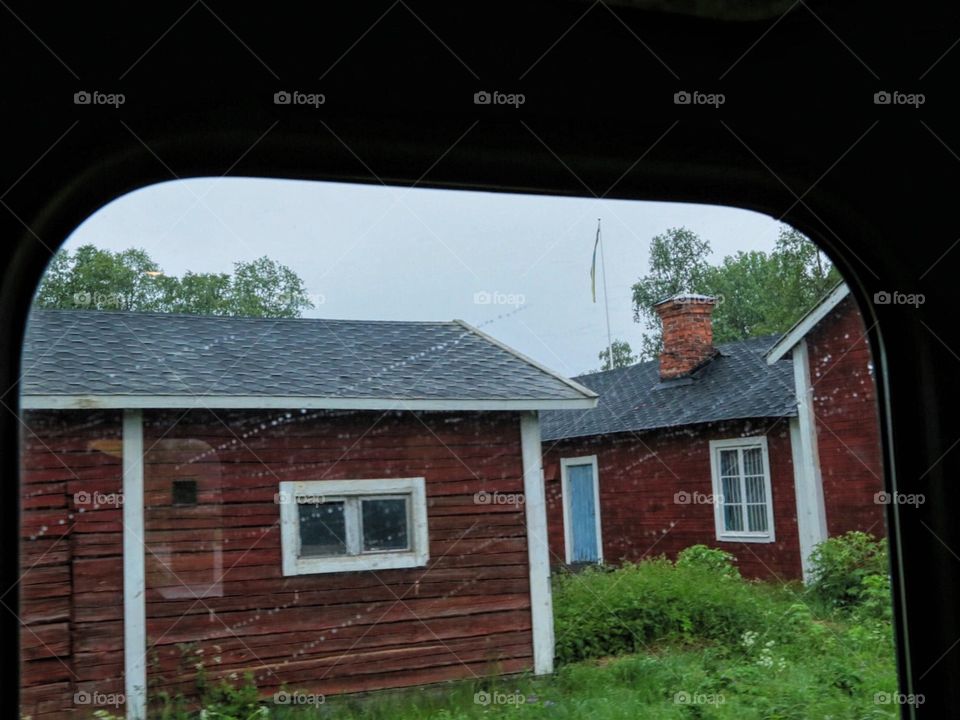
{"type": "Point", "coordinates": [134, 576]}
{"type": "Point", "coordinates": [538, 550]}
{"type": "Point", "coordinates": [808, 482]}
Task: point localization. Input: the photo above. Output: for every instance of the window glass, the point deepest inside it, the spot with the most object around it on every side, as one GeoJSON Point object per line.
{"type": "Point", "coordinates": [384, 524]}
{"type": "Point", "coordinates": [322, 529]}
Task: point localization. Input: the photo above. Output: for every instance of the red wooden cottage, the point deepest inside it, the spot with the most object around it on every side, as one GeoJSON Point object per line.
{"type": "Point", "coordinates": [717, 445]}
{"type": "Point", "coordinates": [312, 501]}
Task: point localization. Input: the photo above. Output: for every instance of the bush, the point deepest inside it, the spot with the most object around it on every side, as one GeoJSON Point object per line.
{"type": "Point", "coordinates": [711, 560]}
{"type": "Point", "coordinates": [842, 566]}
{"type": "Point", "coordinates": [600, 613]}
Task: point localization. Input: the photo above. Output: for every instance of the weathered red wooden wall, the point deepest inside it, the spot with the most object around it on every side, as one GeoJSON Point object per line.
{"type": "Point", "coordinates": [640, 475]}
{"type": "Point", "coordinates": [215, 590]}
{"type": "Point", "coordinates": [848, 428]}
{"type": "Point", "coordinates": [62, 533]}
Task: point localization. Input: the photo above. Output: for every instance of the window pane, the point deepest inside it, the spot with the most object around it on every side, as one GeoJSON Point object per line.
{"type": "Point", "coordinates": [757, 518]}
{"type": "Point", "coordinates": [753, 461]}
{"type": "Point", "coordinates": [729, 463]}
{"type": "Point", "coordinates": [732, 518]}
{"type": "Point", "coordinates": [322, 529]}
{"type": "Point", "coordinates": [731, 491]}
{"type": "Point", "coordinates": [385, 524]}
{"type": "Point", "coordinates": [756, 492]}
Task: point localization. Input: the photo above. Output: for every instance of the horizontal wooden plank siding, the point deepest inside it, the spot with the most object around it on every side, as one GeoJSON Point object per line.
{"type": "Point", "coordinates": [64, 476]}
{"type": "Point", "coordinates": [639, 476]}
{"type": "Point", "coordinates": [215, 590]}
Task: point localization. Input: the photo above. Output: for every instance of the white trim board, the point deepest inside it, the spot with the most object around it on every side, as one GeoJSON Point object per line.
{"type": "Point", "coordinates": [538, 549]}
{"type": "Point", "coordinates": [564, 490]}
{"type": "Point", "coordinates": [807, 323]}
{"type": "Point", "coordinates": [134, 569]}
{"type": "Point", "coordinates": [257, 402]}
{"type": "Point", "coordinates": [808, 482]}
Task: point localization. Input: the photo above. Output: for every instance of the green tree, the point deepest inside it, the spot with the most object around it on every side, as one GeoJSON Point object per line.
{"type": "Point", "coordinates": [758, 293]}
{"type": "Point", "coordinates": [95, 279]}
{"type": "Point", "coordinates": [678, 263]}
{"type": "Point", "coordinates": [804, 274]}
{"type": "Point", "coordinates": [265, 288]}
{"type": "Point", "coordinates": [744, 285]}
{"type": "Point", "coordinates": [622, 355]}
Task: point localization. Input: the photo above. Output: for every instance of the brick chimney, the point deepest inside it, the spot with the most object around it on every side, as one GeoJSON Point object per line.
{"type": "Point", "coordinates": [687, 333]}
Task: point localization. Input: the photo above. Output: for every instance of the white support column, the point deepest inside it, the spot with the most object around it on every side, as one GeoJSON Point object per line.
{"type": "Point", "coordinates": [811, 513]}
{"type": "Point", "coordinates": [134, 577]}
{"type": "Point", "coordinates": [538, 551]}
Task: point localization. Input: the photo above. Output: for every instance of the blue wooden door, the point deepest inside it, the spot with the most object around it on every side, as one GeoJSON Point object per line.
{"type": "Point", "coordinates": [582, 510]}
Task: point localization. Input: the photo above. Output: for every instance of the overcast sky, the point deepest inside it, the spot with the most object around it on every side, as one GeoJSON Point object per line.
{"type": "Point", "coordinates": [517, 265]}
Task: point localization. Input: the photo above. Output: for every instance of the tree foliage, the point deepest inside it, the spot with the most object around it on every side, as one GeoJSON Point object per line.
{"type": "Point", "coordinates": [759, 293]}
{"type": "Point", "coordinates": [95, 279]}
{"type": "Point", "coordinates": [622, 355]}
{"type": "Point", "coordinates": [678, 263]}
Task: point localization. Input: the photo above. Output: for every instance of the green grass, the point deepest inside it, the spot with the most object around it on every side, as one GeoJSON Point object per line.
{"type": "Point", "coordinates": [688, 643]}
{"type": "Point", "coordinates": [659, 640]}
{"type": "Point", "coordinates": [652, 685]}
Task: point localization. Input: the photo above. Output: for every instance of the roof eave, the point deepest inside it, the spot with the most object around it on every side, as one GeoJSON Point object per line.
{"type": "Point", "coordinates": [253, 402]}
{"type": "Point", "coordinates": [668, 426]}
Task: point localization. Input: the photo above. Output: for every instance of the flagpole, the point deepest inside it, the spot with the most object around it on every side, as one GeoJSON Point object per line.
{"type": "Point", "coordinates": [606, 301]}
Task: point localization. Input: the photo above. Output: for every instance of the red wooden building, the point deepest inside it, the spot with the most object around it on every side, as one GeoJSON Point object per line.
{"type": "Point", "coordinates": [761, 447]}
{"type": "Point", "coordinates": [332, 506]}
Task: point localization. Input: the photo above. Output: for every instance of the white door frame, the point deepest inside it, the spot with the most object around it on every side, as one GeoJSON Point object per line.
{"type": "Point", "coordinates": [564, 489]}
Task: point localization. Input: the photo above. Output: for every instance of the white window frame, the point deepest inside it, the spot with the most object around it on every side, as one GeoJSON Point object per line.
{"type": "Point", "coordinates": [766, 536]}
{"type": "Point", "coordinates": [564, 489]}
{"type": "Point", "coordinates": [292, 494]}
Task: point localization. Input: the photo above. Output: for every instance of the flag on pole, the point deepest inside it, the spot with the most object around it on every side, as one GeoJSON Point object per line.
{"type": "Point", "coordinates": [593, 266]}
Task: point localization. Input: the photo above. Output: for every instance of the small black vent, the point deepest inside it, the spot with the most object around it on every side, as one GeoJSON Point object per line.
{"type": "Point", "coordinates": [184, 492]}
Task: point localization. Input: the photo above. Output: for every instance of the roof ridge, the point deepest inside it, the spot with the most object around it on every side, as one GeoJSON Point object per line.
{"type": "Point", "coordinates": [587, 392]}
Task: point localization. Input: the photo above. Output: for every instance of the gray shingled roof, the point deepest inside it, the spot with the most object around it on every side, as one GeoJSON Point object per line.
{"type": "Point", "coordinates": [736, 384]}
{"type": "Point", "coordinates": [89, 353]}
